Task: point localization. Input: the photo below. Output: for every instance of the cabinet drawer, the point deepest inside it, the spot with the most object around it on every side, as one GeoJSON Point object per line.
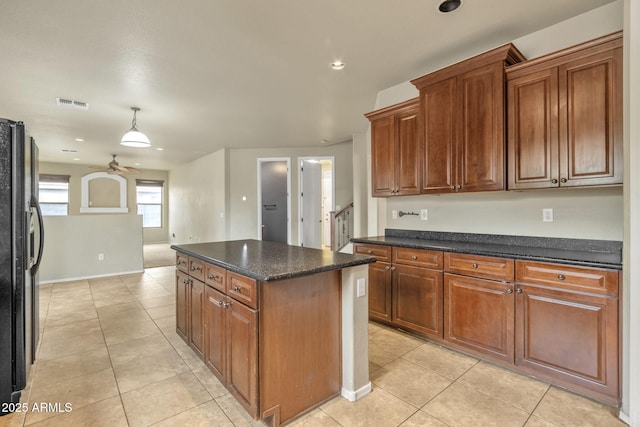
{"type": "Point", "coordinates": [214, 276]}
{"type": "Point", "coordinates": [592, 280]}
{"type": "Point", "coordinates": [196, 268]}
{"type": "Point", "coordinates": [479, 266]}
{"type": "Point", "coordinates": [382, 253]}
{"type": "Point", "coordinates": [182, 262]}
{"type": "Point", "coordinates": [418, 257]}
{"type": "Point", "coordinates": [242, 289]}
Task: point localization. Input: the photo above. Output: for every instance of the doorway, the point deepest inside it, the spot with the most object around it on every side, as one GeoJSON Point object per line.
{"type": "Point", "coordinates": [274, 204]}
{"type": "Point", "coordinates": [317, 189]}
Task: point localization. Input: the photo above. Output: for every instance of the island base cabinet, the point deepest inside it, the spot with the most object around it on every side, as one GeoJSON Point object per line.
{"type": "Point", "coordinates": [215, 342]}
{"type": "Point", "coordinates": [417, 300]}
{"type": "Point", "coordinates": [479, 316]}
{"type": "Point", "coordinates": [183, 290]}
{"type": "Point", "coordinates": [570, 338]}
{"type": "Point", "coordinates": [196, 313]}
{"type": "Point", "coordinates": [242, 355]}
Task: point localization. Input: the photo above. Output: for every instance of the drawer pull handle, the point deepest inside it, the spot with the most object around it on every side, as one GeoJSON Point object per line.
{"type": "Point", "coordinates": [237, 288]}
{"type": "Point", "coordinates": [223, 304]}
{"type": "Point", "coordinates": [214, 277]}
{"type": "Point", "coordinates": [561, 277]}
{"type": "Point", "coordinates": [509, 291]}
{"type": "Point", "coordinates": [474, 265]}
{"type": "Point", "coordinates": [414, 257]}
{"type": "Point", "coordinates": [369, 251]}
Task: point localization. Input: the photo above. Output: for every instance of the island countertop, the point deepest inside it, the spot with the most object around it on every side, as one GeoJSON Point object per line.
{"type": "Point", "coordinates": [268, 261]}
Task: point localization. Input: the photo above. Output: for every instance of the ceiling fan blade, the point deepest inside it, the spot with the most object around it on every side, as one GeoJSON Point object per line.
{"type": "Point", "coordinates": [118, 167]}
{"type": "Point", "coordinates": [129, 169]}
{"type": "Point", "coordinates": [97, 167]}
{"type": "Point", "coordinates": [115, 172]}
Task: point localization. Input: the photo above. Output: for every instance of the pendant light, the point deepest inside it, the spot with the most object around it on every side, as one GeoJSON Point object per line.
{"type": "Point", "coordinates": [135, 138]}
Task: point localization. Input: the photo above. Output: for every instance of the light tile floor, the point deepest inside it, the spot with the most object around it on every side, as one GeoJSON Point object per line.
{"type": "Point", "coordinates": [109, 348]}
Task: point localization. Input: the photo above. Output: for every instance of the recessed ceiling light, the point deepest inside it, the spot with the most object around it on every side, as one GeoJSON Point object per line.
{"type": "Point", "coordinates": [449, 5]}
{"type": "Point", "coordinates": [76, 158]}
{"type": "Point", "coordinates": [337, 65]}
{"type": "Point", "coordinates": [79, 140]}
{"type": "Point", "coordinates": [160, 149]}
{"type": "Point", "coordinates": [137, 164]}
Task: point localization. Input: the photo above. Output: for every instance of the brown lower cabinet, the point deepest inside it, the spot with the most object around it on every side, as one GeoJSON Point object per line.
{"type": "Point", "coordinates": [245, 336]}
{"type": "Point", "coordinates": [553, 321]}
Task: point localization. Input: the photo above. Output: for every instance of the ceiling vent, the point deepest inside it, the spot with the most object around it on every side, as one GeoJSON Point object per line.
{"type": "Point", "coordinates": [61, 102]}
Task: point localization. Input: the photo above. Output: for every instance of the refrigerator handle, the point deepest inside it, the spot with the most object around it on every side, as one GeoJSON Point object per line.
{"type": "Point", "coordinates": [35, 204]}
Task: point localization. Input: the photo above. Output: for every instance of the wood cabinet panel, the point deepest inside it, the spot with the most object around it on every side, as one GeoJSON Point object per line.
{"type": "Point", "coordinates": [183, 290]}
{"type": "Point", "coordinates": [408, 159]}
{"type": "Point", "coordinates": [533, 130]}
{"type": "Point", "coordinates": [481, 135]}
{"type": "Point", "coordinates": [380, 291]}
{"type": "Point", "coordinates": [418, 257]}
{"type": "Point", "coordinates": [215, 276]}
{"type": "Point", "coordinates": [570, 337]}
{"type": "Point", "coordinates": [196, 320]}
{"type": "Point", "coordinates": [479, 266]}
{"type": "Point", "coordinates": [382, 253]}
{"type": "Point", "coordinates": [182, 262]}
{"type": "Point", "coordinates": [196, 268]}
{"type": "Point", "coordinates": [478, 316]}
{"type": "Point", "coordinates": [417, 299]}
{"type": "Point", "coordinates": [439, 153]}
{"type": "Point", "coordinates": [383, 169]}
{"type": "Point", "coordinates": [565, 117]}
{"type": "Point", "coordinates": [215, 342]}
{"type": "Point", "coordinates": [581, 279]}
{"type": "Point", "coordinates": [242, 355]}
{"type": "Point", "coordinates": [242, 288]}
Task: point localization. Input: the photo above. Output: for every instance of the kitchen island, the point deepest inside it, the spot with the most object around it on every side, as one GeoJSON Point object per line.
{"type": "Point", "coordinates": [284, 328]}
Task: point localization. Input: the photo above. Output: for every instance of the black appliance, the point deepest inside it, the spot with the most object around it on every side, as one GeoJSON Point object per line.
{"type": "Point", "coordinates": [21, 243]}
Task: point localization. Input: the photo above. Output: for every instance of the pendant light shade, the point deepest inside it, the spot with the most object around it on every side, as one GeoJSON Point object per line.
{"type": "Point", "coordinates": [135, 138]}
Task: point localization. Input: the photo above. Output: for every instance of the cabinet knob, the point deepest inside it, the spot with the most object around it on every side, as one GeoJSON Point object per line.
{"type": "Point", "coordinates": [561, 277]}
{"type": "Point", "coordinates": [237, 288]}
{"type": "Point", "coordinates": [185, 281]}
{"type": "Point", "coordinates": [563, 180]}
{"type": "Point", "coordinates": [387, 268]}
{"type": "Point", "coordinates": [213, 276]}
{"type": "Point", "coordinates": [474, 265]}
{"type": "Point", "coordinates": [414, 257]}
{"type": "Point", "coordinates": [453, 187]}
{"type": "Point", "coordinates": [554, 181]}
{"type": "Point", "coordinates": [509, 291]}
{"type": "Point", "coordinates": [369, 251]}
{"type": "Point", "coordinates": [393, 269]}
{"type": "Point", "coordinates": [519, 290]}
{"type": "Point", "coordinates": [458, 187]}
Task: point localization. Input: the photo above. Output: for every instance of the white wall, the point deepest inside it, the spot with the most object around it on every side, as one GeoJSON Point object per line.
{"type": "Point", "coordinates": [197, 200]}
{"type": "Point", "coordinates": [72, 244]}
{"type": "Point", "coordinates": [242, 167]}
{"type": "Point", "coordinates": [583, 213]}
{"type": "Point", "coordinates": [76, 172]}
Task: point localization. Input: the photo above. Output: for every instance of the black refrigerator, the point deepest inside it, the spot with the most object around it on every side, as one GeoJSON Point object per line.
{"type": "Point", "coordinates": [21, 242]}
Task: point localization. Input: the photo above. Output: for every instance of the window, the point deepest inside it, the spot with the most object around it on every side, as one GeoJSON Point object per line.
{"type": "Point", "coordinates": [149, 199]}
{"type": "Point", "coordinates": [53, 194]}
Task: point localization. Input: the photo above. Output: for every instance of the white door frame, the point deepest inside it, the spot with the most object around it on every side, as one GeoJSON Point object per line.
{"type": "Point", "coordinates": [260, 161]}
{"type": "Point", "coordinates": [333, 185]}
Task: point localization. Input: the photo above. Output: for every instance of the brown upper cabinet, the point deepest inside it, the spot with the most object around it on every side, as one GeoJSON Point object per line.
{"type": "Point", "coordinates": [395, 165]}
{"type": "Point", "coordinates": [462, 123]}
{"type": "Point", "coordinates": [565, 117]}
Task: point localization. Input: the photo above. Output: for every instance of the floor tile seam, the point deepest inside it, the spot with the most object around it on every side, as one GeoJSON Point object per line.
{"type": "Point", "coordinates": [186, 410]}
{"type": "Point", "coordinates": [538, 404]}
{"type": "Point", "coordinates": [433, 371]}
{"type": "Point", "coordinates": [124, 409]}
{"type": "Point", "coordinates": [329, 415]}
{"type": "Point", "coordinates": [84, 350]}
{"type": "Point", "coordinates": [209, 393]}
{"type": "Point", "coordinates": [67, 413]}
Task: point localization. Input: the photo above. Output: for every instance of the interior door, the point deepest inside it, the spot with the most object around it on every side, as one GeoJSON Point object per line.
{"type": "Point", "coordinates": [311, 196]}
{"type": "Point", "coordinates": [327, 206]}
{"type": "Point", "coordinates": [274, 201]}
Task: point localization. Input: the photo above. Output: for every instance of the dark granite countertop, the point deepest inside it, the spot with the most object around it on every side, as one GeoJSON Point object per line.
{"type": "Point", "coordinates": [266, 261]}
{"type": "Point", "coordinates": [589, 253]}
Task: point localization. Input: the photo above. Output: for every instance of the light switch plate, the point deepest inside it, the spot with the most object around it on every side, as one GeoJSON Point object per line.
{"type": "Point", "coordinates": [394, 214]}
{"type": "Point", "coordinates": [361, 287]}
{"type": "Point", "coordinates": [547, 215]}
{"type": "Point", "coordinates": [424, 214]}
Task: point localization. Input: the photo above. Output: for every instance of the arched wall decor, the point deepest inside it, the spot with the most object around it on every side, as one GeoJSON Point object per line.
{"type": "Point", "coordinates": [84, 187]}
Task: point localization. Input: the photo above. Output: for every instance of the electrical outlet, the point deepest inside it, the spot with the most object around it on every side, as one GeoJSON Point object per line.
{"type": "Point", "coordinates": [394, 214]}
{"type": "Point", "coordinates": [547, 215]}
{"type": "Point", "coordinates": [361, 289]}
{"type": "Point", "coordinates": [100, 257]}
{"type": "Point", "coordinates": [424, 214]}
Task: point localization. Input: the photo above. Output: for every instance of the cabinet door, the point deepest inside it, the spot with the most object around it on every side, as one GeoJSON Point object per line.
{"type": "Point", "coordinates": [383, 157]}
{"type": "Point", "coordinates": [480, 139]}
{"type": "Point", "coordinates": [242, 355]}
{"type": "Point", "coordinates": [590, 91]}
{"type": "Point", "coordinates": [438, 103]}
{"type": "Point", "coordinates": [533, 130]}
{"type": "Point", "coordinates": [196, 313]}
{"type": "Point", "coordinates": [183, 289]}
{"type": "Point", "coordinates": [417, 299]}
{"type": "Point", "coordinates": [380, 291]}
{"type": "Point", "coordinates": [479, 316]}
{"type": "Point", "coordinates": [568, 336]}
{"type": "Point", "coordinates": [214, 332]}
{"type": "Point", "coordinates": [408, 168]}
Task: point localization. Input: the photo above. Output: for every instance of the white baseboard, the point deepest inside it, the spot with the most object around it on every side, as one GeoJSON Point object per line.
{"type": "Point", "coordinates": [624, 417]}
{"type": "Point", "coordinates": [353, 395]}
{"type": "Point", "coordinates": [72, 279]}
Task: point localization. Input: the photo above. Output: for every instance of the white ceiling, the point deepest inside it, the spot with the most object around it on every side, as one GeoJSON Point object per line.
{"type": "Point", "coordinates": [209, 74]}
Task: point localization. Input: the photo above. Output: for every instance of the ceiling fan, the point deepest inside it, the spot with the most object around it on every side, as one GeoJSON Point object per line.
{"type": "Point", "coordinates": [114, 168]}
